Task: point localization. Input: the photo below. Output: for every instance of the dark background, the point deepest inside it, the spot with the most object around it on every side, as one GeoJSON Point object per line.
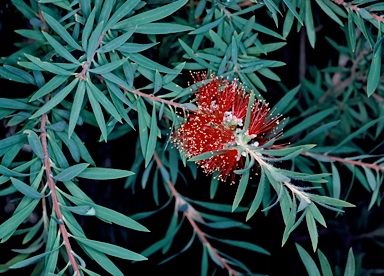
{"type": "Point", "coordinates": [342, 233]}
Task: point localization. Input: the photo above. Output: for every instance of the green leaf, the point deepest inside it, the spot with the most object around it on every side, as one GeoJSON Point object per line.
{"type": "Point", "coordinates": [49, 87]}
{"type": "Point", "coordinates": [375, 69]}
{"type": "Point", "coordinates": [60, 49]}
{"type": "Point", "coordinates": [123, 10]}
{"type": "Point", "coordinates": [21, 73]}
{"type": "Point", "coordinates": [324, 264]}
{"type": "Point", "coordinates": [148, 63]}
{"type": "Point", "coordinates": [56, 99]}
{"type": "Point", "coordinates": [316, 214]}
{"type": "Point", "coordinates": [192, 54]}
{"type": "Point", "coordinates": [14, 104]}
{"type": "Point", "coordinates": [310, 121]}
{"type": "Point", "coordinates": [143, 130]}
{"type": "Point", "coordinates": [7, 172]}
{"type": "Point", "coordinates": [104, 173]}
{"type": "Point", "coordinates": [103, 100]}
{"type": "Point", "coordinates": [97, 112]}
{"type": "Point", "coordinates": [30, 261]}
{"type": "Point", "coordinates": [361, 130]}
{"type": "Point", "coordinates": [223, 224]}
{"type": "Point", "coordinates": [151, 146]}
{"type": "Point", "coordinates": [158, 83]}
{"type": "Point", "coordinates": [10, 141]}
{"type": "Point", "coordinates": [111, 249]}
{"type": "Point", "coordinates": [308, 262]}
{"type": "Point", "coordinates": [117, 42]}
{"type": "Point", "coordinates": [109, 67]}
{"type": "Point", "coordinates": [293, 10]}
{"type": "Point", "coordinates": [217, 206]}
{"type": "Point", "coordinates": [61, 31]}
{"type": "Point", "coordinates": [311, 32]}
{"type": "Point", "coordinates": [336, 184]}
{"type": "Point", "coordinates": [71, 172]}
{"type": "Point", "coordinates": [350, 265]}
{"type": "Point", "coordinates": [370, 178]}
{"type": "Point", "coordinates": [204, 261]}
{"type": "Point", "coordinates": [206, 155]}
{"type": "Point", "coordinates": [246, 245]}
{"type": "Point", "coordinates": [151, 15]}
{"type": "Point", "coordinates": [162, 28]}
{"type": "Point", "coordinates": [330, 201]}
{"type": "Point", "coordinates": [241, 188]}
{"type": "Point", "coordinates": [81, 210]}
{"type": "Point", "coordinates": [214, 186]}
{"type": "Point", "coordinates": [102, 212]}
{"type": "Point", "coordinates": [207, 27]}
{"type": "Point", "coordinates": [76, 107]}
{"type": "Point", "coordinates": [259, 195]}
{"type": "Point", "coordinates": [34, 142]}
{"type": "Point", "coordinates": [93, 42]}
{"type": "Point", "coordinates": [73, 149]}
{"type": "Point", "coordinates": [25, 189]}
{"type": "Point", "coordinates": [285, 101]}
{"type": "Point", "coordinates": [6, 74]}
{"type": "Point", "coordinates": [13, 222]}
{"type": "Point", "coordinates": [351, 31]}
{"type": "Point", "coordinates": [311, 224]}
{"type": "Point", "coordinates": [329, 12]}
{"type": "Point", "coordinates": [88, 29]}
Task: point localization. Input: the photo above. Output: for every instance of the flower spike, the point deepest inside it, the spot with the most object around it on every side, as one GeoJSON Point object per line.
{"type": "Point", "coordinates": [217, 126]}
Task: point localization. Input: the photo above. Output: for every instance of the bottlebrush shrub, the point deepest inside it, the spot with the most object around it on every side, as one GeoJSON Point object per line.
{"type": "Point", "coordinates": [121, 67]}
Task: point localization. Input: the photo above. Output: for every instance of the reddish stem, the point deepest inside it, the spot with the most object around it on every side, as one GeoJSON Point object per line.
{"type": "Point", "coordinates": [356, 8]}
{"type": "Point", "coordinates": [52, 187]}
{"type": "Point", "coordinates": [352, 162]}
{"type": "Point", "coordinates": [195, 227]}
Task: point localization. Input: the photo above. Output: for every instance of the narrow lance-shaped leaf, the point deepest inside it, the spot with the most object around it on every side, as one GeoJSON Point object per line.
{"type": "Point", "coordinates": [34, 142]}
{"type": "Point", "coordinates": [104, 173]}
{"type": "Point", "coordinates": [56, 99]}
{"type": "Point", "coordinates": [111, 249]}
{"type": "Point", "coordinates": [259, 195]}
{"type": "Point", "coordinates": [311, 224]}
{"type": "Point", "coordinates": [61, 31]}
{"type": "Point", "coordinates": [76, 107]}
{"type": "Point", "coordinates": [152, 137]}
{"type": "Point", "coordinates": [97, 112]}
{"type": "Point", "coordinates": [25, 189]}
{"type": "Point", "coordinates": [311, 32]}
{"type": "Point", "coordinates": [126, 8]}
{"type": "Point", "coordinates": [88, 29]}
{"type": "Point", "coordinates": [60, 49]}
{"type": "Point", "coordinates": [241, 189]}
{"type": "Point", "coordinates": [308, 262]}
{"type": "Point", "coordinates": [71, 172]}
{"type": "Point", "coordinates": [94, 41]}
{"type": "Point", "coordinates": [117, 42]}
{"type": "Point", "coordinates": [151, 15]}
{"type": "Point", "coordinates": [375, 68]}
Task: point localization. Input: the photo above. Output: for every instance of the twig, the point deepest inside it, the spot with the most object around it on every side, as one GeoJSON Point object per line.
{"type": "Point", "coordinates": [52, 187]}
{"type": "Point", "coordinates": [338, 84]}
{"type": "Point", "coordinates": [347, 161]}
{"type": "Point", "coordinates": [356, 9]}
{"type": "Point", "coordinates": [195, 227]}
{"type": "Point", "coordinates": [149, 96]}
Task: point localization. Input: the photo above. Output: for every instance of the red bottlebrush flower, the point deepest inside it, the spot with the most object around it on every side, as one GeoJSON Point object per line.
{"type": "Point", "coordinates": [217, 126]}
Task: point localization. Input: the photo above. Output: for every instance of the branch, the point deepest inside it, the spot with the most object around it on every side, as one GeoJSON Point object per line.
{"type": "Point", "coordinates": [192, 216]}
{"type": "Point", "coordinates": [149, 96]}
{"type": "Point", "coordinates": [356, 9]}
{"type": "Point", "coordinates": [52, 187]}
{"type": "Point", "coordinates": [347, 161]}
